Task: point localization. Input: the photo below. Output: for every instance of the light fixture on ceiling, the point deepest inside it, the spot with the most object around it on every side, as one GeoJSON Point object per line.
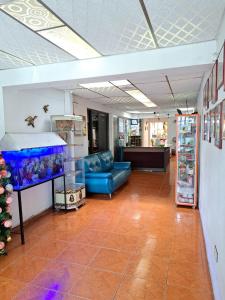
{"type": "Point", "coordinates": [123, 82]}
{"type": "Point", "coordinates": [70, 42]}
{"type": "Point", "coordinates": [45, 23]}
{"type": "Point", "coordinates": [93, 85]}
{"type": "Point", "coordinates": [189, 110]}
{"type": "Point", "coordinates": [138, 95]}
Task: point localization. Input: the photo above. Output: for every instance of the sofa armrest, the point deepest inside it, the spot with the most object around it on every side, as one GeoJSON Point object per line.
{"type": "Point", "coordinates": [126, 165]}
{"type": "Point", "coordinates": [98, 175]}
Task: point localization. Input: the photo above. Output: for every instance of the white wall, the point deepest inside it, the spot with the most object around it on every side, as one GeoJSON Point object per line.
{"type": "Point", "coordinates": [212, 202]}
{"type": "Point", "coordinates": [18, 105]}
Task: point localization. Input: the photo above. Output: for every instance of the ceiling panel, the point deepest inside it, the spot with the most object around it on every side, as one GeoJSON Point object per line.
{"type": "Point", "coordinates": [186, 85]}
{"type": "Point", "coordinates": [16, 39]}
{"type": "Point", "coordinates": [185, 21]}
{"type": "Point", "coordinates": [146, 77]}
{"type": "Point", "coordinates": [85, 93]}
{"type": "Point", "coordinates": [154, 88]}
{"type": "Point", "coordinates": [9, 62]}
{"type": "Point", "coordinates": [109, 91]}
{"type": "Point", "coordinates": [112, 27]}
{"type": "Point", "coordinates": [189, 96]}
{"type": "Point", "coordinates": [124, 100]}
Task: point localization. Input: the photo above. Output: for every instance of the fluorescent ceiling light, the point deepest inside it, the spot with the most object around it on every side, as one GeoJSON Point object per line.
{"type": "Point", "coordinates": [40, 19]}
{"type": "Point", "coordinates": [32, 14]}
{"type": "Point", "coordinates": [123, 82]}
{"type": "Point", "coordinates": [187, 109]}
{"type": "Point", "coordinates": [140, 112]}
{"type": "Point", "coordinates": [68, 40]}
{"type": "Point", "coordinates": [93, 85]}
{"type": "Point", "coordinates": [133, 112]}
{"type": "Point", "coordinates": [138, 95]}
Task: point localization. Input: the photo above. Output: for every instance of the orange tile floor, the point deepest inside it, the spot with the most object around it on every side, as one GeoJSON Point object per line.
{"type": "Point", "coordinates": [137, 246]}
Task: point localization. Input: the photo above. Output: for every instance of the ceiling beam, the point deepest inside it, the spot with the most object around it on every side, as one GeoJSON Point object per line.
{"type": "Point", "coordinates": [147, 17]}
{"type": "Point", "coordinates": [199, 54]}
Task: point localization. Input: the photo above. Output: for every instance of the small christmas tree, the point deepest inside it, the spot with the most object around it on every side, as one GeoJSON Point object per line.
{"type": "Point", "coordinates": [5, 201]}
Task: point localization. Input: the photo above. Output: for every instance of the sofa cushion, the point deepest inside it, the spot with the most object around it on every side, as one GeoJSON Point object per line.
{"type": "Point", "coordinates": [119, 177]}
{"type": "Point", "coordinates": [92, 163]}
{"type": "Point", "coordinates": [106, 160]}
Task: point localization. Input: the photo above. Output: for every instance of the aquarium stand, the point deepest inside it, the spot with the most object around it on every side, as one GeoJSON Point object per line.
{"type": "Point", "coordinates": [19, 190]}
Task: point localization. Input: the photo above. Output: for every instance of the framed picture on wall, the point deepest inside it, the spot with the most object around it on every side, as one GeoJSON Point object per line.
{"type": "Point", "coordinates": [212, 123]}
{"type": "Point", "coordinates": [223, 120]}
{"type": "Point", "coordinates": [204, 133]}
{"type": "Point", "coordinates": [210, 88]}
{"type": "Point", "coordinates": [221, 68]}
{"type": "Point", "coordinates": [209, 137]}
{"type": "Point", "coordinates": [206, 94]}
{"type": "Point", "coordinates": [218, 125]}
{"type": "Point", "coordinates": [214, 91]}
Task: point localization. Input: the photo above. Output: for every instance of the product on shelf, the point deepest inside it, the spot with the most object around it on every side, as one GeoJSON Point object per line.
{"type": "Point", "coordinates": [186, 182]}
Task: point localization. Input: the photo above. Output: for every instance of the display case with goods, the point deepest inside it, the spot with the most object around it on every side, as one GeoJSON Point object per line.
{"type": "Point", "coordinates": [187, 159]}
{"type": "Point", "coordinates": [71, 129]}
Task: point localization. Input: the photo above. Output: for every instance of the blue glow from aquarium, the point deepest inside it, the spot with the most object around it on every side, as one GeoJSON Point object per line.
{"type": "Point", "coordinates": [34, 165]}
{"type": "Point", "coordinates": [32, 152]}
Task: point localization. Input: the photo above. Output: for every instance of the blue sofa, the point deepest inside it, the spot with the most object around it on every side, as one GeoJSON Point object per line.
{"type": "Point", "coordinates": [102, 175]}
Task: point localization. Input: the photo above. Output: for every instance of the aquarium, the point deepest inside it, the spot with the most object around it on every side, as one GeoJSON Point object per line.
{"type": "Point", "coordinates": [35, 165]}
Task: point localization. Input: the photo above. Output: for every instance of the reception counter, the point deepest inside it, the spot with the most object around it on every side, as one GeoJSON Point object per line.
{"type": "Point", "coordinates": [147, 158]}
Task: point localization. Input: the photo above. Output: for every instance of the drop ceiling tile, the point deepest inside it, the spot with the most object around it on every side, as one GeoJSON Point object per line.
{"type": "Point", "coordinates": [16, 39]}
{"type": "Point", "coordinates": [192, 96]}
{"type": "Point", "coordinates": [185, 21]}
{"type": "Point", "coordinates": [109, 91]}
{"type": "Point", "coordinates": [112, 27]}
{"type": "Point", "coordinates": [10, 62]}
{"type": "Point", "coordinates": [162, 99]}
{"type": "Point", "coordinates": [154, 88]}
{"type": "Point", "coordinates": [124, 99]}
{"type": "Point", "coordinates": [146, 77]}
{"type": "Point", "coordinates": [85, 93]}
{"type": "Point", "coordinates": [186, 85]}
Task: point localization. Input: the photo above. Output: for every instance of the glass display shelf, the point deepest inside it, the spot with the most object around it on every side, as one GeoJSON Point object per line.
{"type": "Point", "coordinates": [71, 130]}
{"type": "Point", "coordinates": [186, 161]}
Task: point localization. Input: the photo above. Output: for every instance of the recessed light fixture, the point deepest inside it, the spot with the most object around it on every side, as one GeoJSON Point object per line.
{"type": "Point", "coordinates": [93, 85]}
{"type": "Point", "coordinates": [123, 82]}
{"type": "Point", "coordinates": [138, 95]}
{"type": "Point", "coordinates": [66, 39]}
{"type": "Point", "coordinates": [32, 14]}
{"type": "Point", "coordinates": [140, 112]}
{"type": "Point", "coordinates": [189, 109]}
{"type": "Point", "coordinates": [41, 20]}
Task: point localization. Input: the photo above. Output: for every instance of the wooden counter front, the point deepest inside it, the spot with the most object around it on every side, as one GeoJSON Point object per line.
{"type": "Point", "coordinates": [147, 158]}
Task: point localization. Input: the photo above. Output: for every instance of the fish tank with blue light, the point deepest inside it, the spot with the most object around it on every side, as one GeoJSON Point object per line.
{"type": "Point", "coordinates": [34, 165]}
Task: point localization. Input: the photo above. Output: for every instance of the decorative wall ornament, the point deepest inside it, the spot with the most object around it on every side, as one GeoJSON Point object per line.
{"type": "Point", "coordinates": [45, 108]}
{"type": "Point", "coordinates": [30, 121]}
